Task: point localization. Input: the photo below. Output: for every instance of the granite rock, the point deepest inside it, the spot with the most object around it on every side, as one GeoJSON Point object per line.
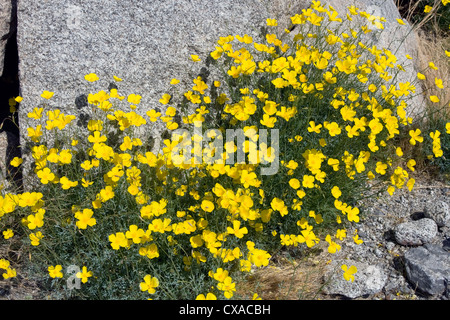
{"type": "Point", "coordinates": [5, 21]}
{"type": "Point", "coordinates": [146, 43]}
{"type": "Point", "coordinates": [439, 211]}
{"type": "Point", "coordinates": [369, 280]}
{"type": "Point", "coordinates": [414, 233]}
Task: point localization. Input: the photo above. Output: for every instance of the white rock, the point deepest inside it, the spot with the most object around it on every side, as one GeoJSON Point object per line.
{"type": "Point", "coordinates": [415, 233]}
{"type": "Point", "coordinates": [439, 211]}
{"type": "Point", "coordinates": [369, 280]}
{"type": "Point", "coordinates": [5, 19]}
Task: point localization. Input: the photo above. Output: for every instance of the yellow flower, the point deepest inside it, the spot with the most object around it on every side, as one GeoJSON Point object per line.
{"type": "Point", "coordinates": [85, 219]}
{"type": "Point", "coordinates": [149, 284]}
{"type": "Point", "coordinates": [96, 137]}
{"type": "Point", "coordinates": [209, 296]}
{"type": "Point", "coordinates": [227, 286]}
{"type": "Point", "coordinates": [294, 183]}
{"type": "Point", "coordinates": [160, 226]}
{"type": "Point", "coordinates": [400, 21]}
{"type": "Point", "coordinates": [381, 168]}
{"type": "Point", "coordinates": [134, 98]}
{"type": "Point", "coordinates": [336, 192]}
{"type": "Point", "coordinates": [349, 272]}
{"type": "Point", "coordinates": [45, 175]}
{"type": "Point", "coordinates": [16, 162]}
{"type": "Point", "coordinates": [86, 183]}
{"type": "Point", "coordinates": [66, 183]}
{"type": "Point", "coordinates": [341, 234]}
{"type": "Point", "coordinates": [118, 240]}
{"type": "Point", "coordinates": [165, 98]}
{"type": "Point", "coordinates": [10, 273]}
{"type": "Point", "coordinates": [35, 238]}
{"type": "Point", "coordinates": [352, 214]}
{"type": "Point", "coordinates": [35, 134]}
{"type": "Point", "coordinates": [313, 127]}
{"type": "Point", "coordinates": [333, 246]}
{"type": "Point", "coordinates": [84, 274]}
{"type": "Point", "coordinates": [107, 193]}
{"type": "Point", "coordinates": [36, 113]}
{"type": "Point", "coordinates": [410, 164]}
{"type": "Point", "coordinates": [278, 205]}
{"type": "Point", "coordinates": [171, 111]}
{"type": "Point", "coordinates": [153, 115]}
{"type": "Point", "coordinates": [91, 77]}
{"type": "Point", "coordinates": [333, 129]}
{"type": "Point", "coordinates": [268, 121]}
{"type": "Point", "coordinates": [432, 66]}
{"type": "Point", "coordinates": [35, 221]}
{"type": "Point", "coordinates": [236, 230]}
{"type": "Point", "coordinates": [415, 136]}
{"type": "Point", "coordinates": [55, 271]}
{"type": "Point", "coordinates": [117, 78]}
{"type": "Point", "coordinates": [195, 58]}
{"type": "Point", "coordinates": [438, 83]}
{"type": "Point", "coordinates": [47, 94]}
{"type": "Point", "coordinates": [272, 22]}
{"type": "Point", "coordinates": [427, 8]}
{"type": "Point", "coordinates": [207, 206]}
{"type": "Point", "coordinates": [317, 217]}
{"type": "Point", "coordinates": [8, 233]}
{"type": "Point", "coordinates": [135, 234]}
{"type": "Point", "coordinates": [434, 99]}
{"type": "Point", "coordinates": [308, 181]}
{"type": "Point", "coordinates": [200, 85]}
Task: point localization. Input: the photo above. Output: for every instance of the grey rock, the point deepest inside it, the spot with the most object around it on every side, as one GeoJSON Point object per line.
{"type": "Point", "coordinates": [5, 20]}
{"type": "Point", "coordinates": [446, 244]}
{"type": "Point", "coordinates": [414, 233]}
{"type": "Point", "coordinates": [428, 269]}
{"type": "Point", "coordinates": [147, 43]}
{"type": "Point", "coordinates": [369, 280]}
{"type": "Point", "coordinates": [439, 211]}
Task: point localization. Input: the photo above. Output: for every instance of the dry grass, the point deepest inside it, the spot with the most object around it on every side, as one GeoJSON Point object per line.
{"type": "Point", "coordinates": [408, 8]}
{"type": "Point", "coordinates": [301, 277]}
{"type": "Point", "coordinates": [432, 49]}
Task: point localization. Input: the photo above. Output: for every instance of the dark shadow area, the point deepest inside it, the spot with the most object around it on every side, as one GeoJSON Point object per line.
{"type": "Point", "coordinates": [9, 89]}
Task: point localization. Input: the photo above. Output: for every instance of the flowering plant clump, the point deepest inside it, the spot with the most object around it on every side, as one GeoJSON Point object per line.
{"type": "Point", "coordinates": [275, 153]}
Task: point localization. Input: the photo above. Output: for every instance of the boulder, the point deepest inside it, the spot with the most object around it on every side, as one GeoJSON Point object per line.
{"type": "Point", "coordinates": [146, 43]}
{"type": "Point", "coordinates": [415, 233]}
{"type": "Point", "coordinates": [439, 211]}
{"type": "Point", "coordinates": [5, 21]}
{"type": "Point", "coordinates": [369, 280]}
{"type": "Point", "coordinates": [428, 269]}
